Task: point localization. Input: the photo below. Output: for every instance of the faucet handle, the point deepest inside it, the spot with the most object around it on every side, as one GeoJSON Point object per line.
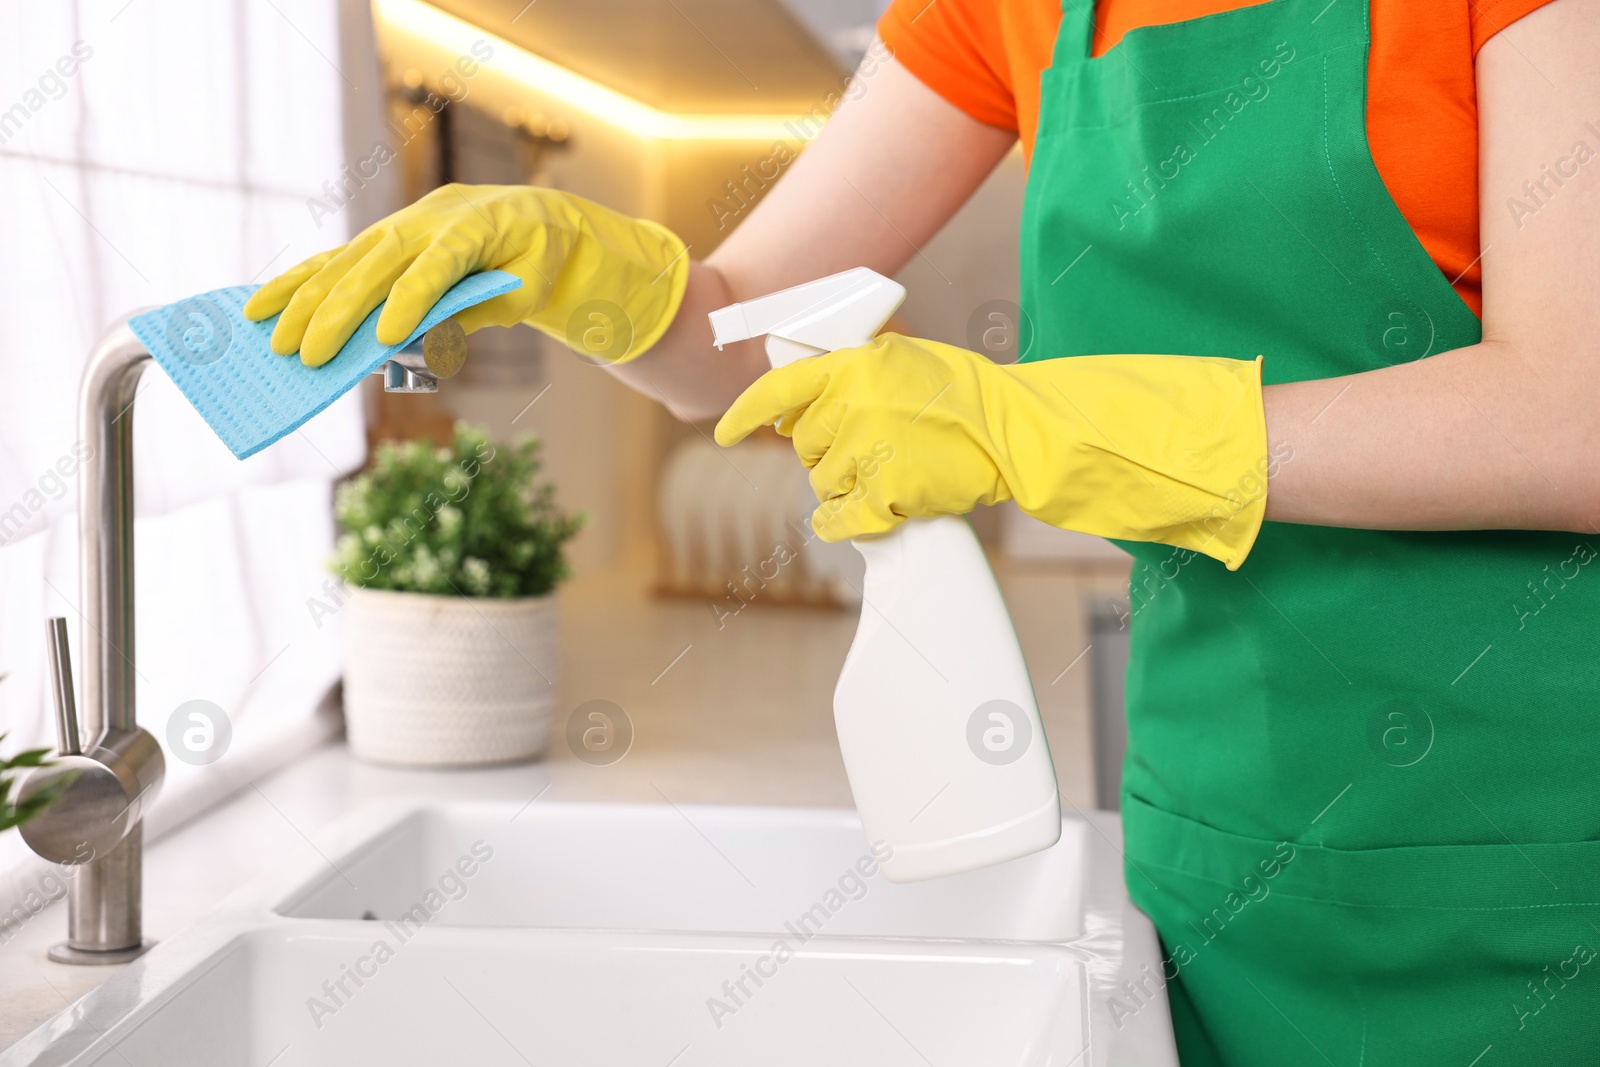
{"type": "Point", "coordinates": [422, 364]}
{"type": "Point", "coordinates": [96, 799]}
{"type": "Point", "coordinates": [67, 741]}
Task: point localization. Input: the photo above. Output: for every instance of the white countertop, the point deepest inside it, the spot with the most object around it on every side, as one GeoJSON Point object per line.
{"type": "Point", "coordinates": [740, 713]}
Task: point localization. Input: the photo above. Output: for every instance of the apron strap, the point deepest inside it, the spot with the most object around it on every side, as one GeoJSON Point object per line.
{"type": "Point", "coordinates": [1075, 38]}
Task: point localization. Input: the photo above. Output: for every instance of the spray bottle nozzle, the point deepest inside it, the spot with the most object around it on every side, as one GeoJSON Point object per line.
{"type": "Point", "coordinates": [839, 311]}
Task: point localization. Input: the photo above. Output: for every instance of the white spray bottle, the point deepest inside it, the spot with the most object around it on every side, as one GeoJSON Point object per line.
{"type": "Point", "coordinates": [936, 715]}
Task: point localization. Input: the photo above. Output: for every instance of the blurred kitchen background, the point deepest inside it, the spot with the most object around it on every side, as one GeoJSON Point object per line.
{"type": "Point", "coordinates": [152, 149]}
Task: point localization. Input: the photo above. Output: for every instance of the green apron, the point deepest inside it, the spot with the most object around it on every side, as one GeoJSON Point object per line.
{"type": "Point", "coordinates": [1360, 798]}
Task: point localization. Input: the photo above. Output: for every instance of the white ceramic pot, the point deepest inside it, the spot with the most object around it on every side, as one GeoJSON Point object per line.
{"type": "Point", "coordinates": [448, 681]}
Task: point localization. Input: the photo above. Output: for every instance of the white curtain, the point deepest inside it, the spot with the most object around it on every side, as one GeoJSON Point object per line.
{"type": "Point", "coordinates": [149, 150]}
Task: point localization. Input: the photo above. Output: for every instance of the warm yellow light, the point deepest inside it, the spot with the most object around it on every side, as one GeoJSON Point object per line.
{"type": "Point", "coordinates": [433, 26]}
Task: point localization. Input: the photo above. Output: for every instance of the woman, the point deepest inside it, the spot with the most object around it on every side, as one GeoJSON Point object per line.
{"type": "Point", "coordinates": [1360, 799]}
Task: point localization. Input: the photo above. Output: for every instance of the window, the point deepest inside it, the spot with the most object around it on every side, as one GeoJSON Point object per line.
{"type": "Point", "coordinates": [149, 150]}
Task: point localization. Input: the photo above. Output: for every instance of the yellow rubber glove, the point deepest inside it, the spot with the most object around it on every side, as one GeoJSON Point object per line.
{"type": "Point", "coordinates": [568, 252]}
{"type": "Point", "coordinates": [1144, 448]}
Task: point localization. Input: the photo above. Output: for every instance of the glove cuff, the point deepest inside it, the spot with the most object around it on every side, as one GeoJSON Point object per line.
{"type": "Point", "coordinates": [1230, 530]}
{"type": "Point", "coordinates": [661, 298]}
{"type": "Point", "coordinates": [1170, 449]}
{"type": "Point", "coordinates": [620, 286]}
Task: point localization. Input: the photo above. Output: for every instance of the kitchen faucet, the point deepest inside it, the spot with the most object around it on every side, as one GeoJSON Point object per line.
{"type": "Point", "coordinates": [114, 767]}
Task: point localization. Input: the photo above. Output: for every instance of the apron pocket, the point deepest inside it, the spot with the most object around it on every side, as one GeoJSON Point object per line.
{"type": "Point", "coordinates": [1486, 877]}
{"type": "Point", "coordinates": [1288, 952]}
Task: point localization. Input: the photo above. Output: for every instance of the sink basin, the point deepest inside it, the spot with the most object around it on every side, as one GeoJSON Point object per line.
{"type": "Point", "coordinates": [710, 870]}
{"type": "Point", "coordinates": [600, 934]}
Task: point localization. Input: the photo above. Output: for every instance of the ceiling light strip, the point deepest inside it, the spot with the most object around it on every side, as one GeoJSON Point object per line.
{"type": "Point", "coordinates": [441, 29]}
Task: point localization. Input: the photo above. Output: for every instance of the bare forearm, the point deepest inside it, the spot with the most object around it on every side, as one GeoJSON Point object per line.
{"type": "Point", "coordinates": [889, 169]}
{"type": "Point", "coordinates": [1469, 439]}
{"type": "Point", "coordinates": [684, 370]}
{"type": "Point", "coordinates": [1502, 434]}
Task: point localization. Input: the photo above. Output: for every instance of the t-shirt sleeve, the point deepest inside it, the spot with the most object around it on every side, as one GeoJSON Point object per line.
{"type": "Point", "coordinates": [1489, 17]}
{"type": "Point", "coordinates": [957, 49]}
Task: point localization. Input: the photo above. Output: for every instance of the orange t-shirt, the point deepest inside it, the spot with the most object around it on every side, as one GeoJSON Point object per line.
{"type": "Point", "coordinates": [985, 57]}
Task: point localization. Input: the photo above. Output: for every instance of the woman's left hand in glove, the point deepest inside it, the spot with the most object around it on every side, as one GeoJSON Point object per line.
{"type": "Point", "coordinates": [1170, 449]}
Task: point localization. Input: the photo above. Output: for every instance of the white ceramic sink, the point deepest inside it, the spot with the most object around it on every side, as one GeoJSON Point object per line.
{"type": "Point", "coordinates": [709, 870]}
{"type": "Point", "coordinates": [640, 935]}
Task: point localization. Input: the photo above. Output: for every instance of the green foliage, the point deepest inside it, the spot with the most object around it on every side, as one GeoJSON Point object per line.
{"type": "Point", "coordinates": [469, 520]}
{"type": "Point", "coordinates": [14, 813]}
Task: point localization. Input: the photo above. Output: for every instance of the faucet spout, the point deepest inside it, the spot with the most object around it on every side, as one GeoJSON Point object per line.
{"type": "Point", "coordinates": [113, 768]}
{"type": "Point", "coordinates": [105, 528]}
{"type": "Point", "coordinates": [109, 770]}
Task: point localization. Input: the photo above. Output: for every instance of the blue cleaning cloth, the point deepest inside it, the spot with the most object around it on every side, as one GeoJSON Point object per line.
{"type": "Point", "coordinates": [251, 397]}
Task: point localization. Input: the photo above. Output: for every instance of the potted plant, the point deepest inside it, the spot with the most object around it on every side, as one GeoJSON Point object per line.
{"type": "Point", "coordinates": [454, 554]}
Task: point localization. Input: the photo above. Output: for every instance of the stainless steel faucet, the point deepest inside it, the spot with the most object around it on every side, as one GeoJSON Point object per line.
{"type": "Point", "coordinates": [114, 768]}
